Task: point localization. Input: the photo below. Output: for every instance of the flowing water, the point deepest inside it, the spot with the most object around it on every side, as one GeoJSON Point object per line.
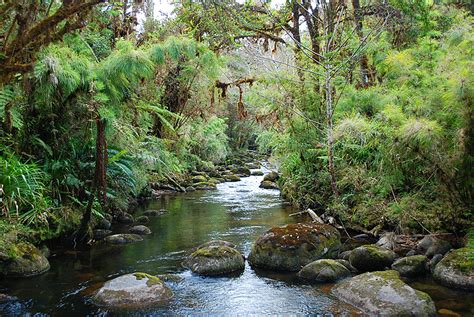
{"type": "Point", "coordinates": [237, 212]}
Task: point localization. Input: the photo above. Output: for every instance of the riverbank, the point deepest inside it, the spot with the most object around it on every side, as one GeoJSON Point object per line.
{"type": "Point", "coordinates": [238, 212]}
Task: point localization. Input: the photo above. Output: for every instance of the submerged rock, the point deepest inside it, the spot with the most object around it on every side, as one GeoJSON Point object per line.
{"type": "Point", "coordinates": [410, 266]}
{"type": "Point", "coordinates": [323, 271]}
{"type": "Point", "coordinates": [123, 238]}
{"type": "Point", "coordinates": [272, 176]}
{"type": "Point", "coordinates": [384, 294]}
{"type": "Point", "coordinates": [268, 185]}
{"type": "Point", "coordinates": [371, 258]}
{"type": "Point", "coordinates": [142, 220]}
{"type": "Point", "coordinates": [140, 229]}
{"type": "Point", "coordinates": [99, 234]}
{"type": "Point", "coordinates": [215, 258]}
{"type": "Point", "coordinates": [154, 213]}
{"type": "Point", "coordinates": [456, 269]}
{"type": "Point", "coordinates": [22, 260]}
{"type": "Point", "coordinates": [431, 245]}
{"type": "Point", "coordinates": [290, 247]}
{"type": "Point", "coordinates": [133, 291]}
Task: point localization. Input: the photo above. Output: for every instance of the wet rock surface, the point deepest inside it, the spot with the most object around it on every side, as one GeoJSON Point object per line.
{"type": "Point", "coordinates": [384, 294]}
{"type": "Point", "coordinates": [456, 269]}
{"type": "Point", "coordinates": [130, 291]}
{"type": "Point", "coordinates": [371, 257]}
{"type": "Point", "coordinates": [290, 247]}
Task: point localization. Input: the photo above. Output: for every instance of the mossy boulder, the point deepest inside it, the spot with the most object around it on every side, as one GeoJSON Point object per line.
{"type": "Point", "coordinates": [323, 271]}
{"type": "Point", "coordinates": [140, 229]}
{"type": "Point", "coordinates": [215, 258]}
{"type": "Point", "coordinates": [430, 245]}
{"type": "Point", "coordinates": [290, 247]}
{"type": "Point", "coordinates": [257, 173]}
{"type": "Point", "coordinates": [411, 266]}
{"type": "Point", "coordinates": [384, 294]}
{"type": "Point", "coordinates": [271, 177]}
{"type": "Point", "coordinates": [205, 186]}
{"type": "Point", "coordinates": [22, 259]}
{"type": "Point", "coordinates": [142, 220]}
{"type": "Point", "coordinates": [268, 185]}
{"type": "Point", "coordinates": [133, 291]}
{"type": "Point", "coordinates": [232, 178]}
{"type": "Point", "coordinates": [456, 269]}
{"type": "Point", "coordinates": [123, 238]}
{"type": "Point", "coordinates": [371, 257]}
{"type": "Point", "coordinates": [103, 224]}
{"type": "Point", "coordinates": [199, 179]}
{"type": "Point", "coordinates": [242, 171]}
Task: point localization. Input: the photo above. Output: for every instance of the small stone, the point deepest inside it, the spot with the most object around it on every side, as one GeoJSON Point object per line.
{"type": "Point", "coordinates": [443, 312]}
{"type": "Point", "coordinates": [271, 177]}
{"type": "Point", "coordinates": [257, 173]}
{"type": "Point", "coordinates": [153, 213]}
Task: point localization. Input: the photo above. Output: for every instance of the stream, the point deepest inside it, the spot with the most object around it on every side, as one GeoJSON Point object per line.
{"type": "Point", "coordinates": [237, 212]}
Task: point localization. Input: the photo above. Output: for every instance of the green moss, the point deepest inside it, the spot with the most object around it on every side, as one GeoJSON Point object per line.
{"type": "Point", "coordinates": [461, 259]}
{"type": "Point", "coordinates": [214, 251]}
{"type": "Point", "coordinates": [151, 279]}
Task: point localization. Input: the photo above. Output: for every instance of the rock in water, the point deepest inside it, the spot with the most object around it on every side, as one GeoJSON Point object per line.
{"type": "Point", "coordinates": [456, 269]}
{"type": "Point", "coordinates": [384, 294]}
{"type": "Point", "coordinates": [215, 258]}
{"type": "Point", "coordinates": [125, 218]}
{"type": "Point", "coordinates": [371, 257]}
{"type": "Point", "coordinates": [154, 213]}
{"type": "Point", "coordinates": [291, 247]}
{"type": "Point", "coordinates": [123, 238]}
{"type": "Point", "coordinates": [140, 229]}
{"type": "Point", "coordinates": [100, 234]}
{"type": "Point", "coordinates": [133, 291]}
{"type": "Point", "coordinates": [411, 266]}
{"type": "Point", "coordinates": [268, 185]}
{"type": "Point", "coordinates": [23, 260]}
{"type": "Point", "coordinates": [323, 271]}
{"type": "Point", "coordinates": [271, 177]}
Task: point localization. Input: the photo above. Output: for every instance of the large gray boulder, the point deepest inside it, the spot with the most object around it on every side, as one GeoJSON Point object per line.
{"type": "Point", "coordinates": [290, 247]}
{"type": "Point", "coordinates": [324, 271]}
{"type": "Point", "coordinates": [215, 258]}
{"type": "Point", "coordinates": [383, 293]}
{"type": "Point", "coordinates": [123, 238]}
{"type": "Point", "coordinates": [22, 260]}
{"type": "Point", "coordinates": [456, 269]}
{"type": "Point", "coordinates": [411, 266]}
{"type": "Point", "coordinates": [371, 257]}
{"type": "Point", "coordinates": [132, 291]}
{"type": "Point", "coordinates": [431, 245]}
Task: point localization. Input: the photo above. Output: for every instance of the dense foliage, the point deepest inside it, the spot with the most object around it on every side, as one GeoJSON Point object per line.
{"type": "Point", "coordinates": [369, 120]}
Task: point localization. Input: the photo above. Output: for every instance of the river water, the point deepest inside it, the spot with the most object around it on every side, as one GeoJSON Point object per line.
{"type": "Point", "coordinates": [237, 212]}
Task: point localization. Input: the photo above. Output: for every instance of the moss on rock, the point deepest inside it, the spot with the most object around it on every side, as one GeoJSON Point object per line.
{"type": "Point", "coordinates": [290, 247]}
{"type": "Point", "coordinates": [456, 269]}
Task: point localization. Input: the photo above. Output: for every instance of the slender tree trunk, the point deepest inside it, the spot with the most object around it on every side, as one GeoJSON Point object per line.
{"type": "Point", "coordinates": [101, 160]}
{"type": "Point", "coordinates": [329, 90]}
{"type": "Point", "coordinates": [363, 60]}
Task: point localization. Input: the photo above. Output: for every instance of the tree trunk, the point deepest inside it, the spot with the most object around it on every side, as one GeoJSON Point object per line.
{"type": "Point", "coordinates": [101, 160]}
{"type": "Point", "coordinates": [363, 60]}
